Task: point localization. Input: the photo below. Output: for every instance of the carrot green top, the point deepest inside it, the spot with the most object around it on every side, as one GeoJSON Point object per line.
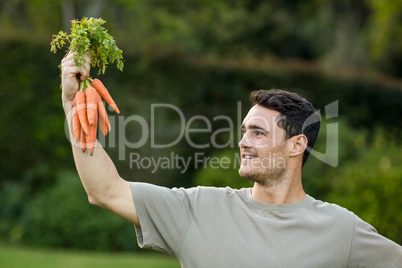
{"type": "Point", "coordinates": [87, 35]}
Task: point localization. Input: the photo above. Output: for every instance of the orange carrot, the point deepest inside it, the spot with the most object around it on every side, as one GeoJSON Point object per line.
{"type": "Point", "coordinates": [91, 138]}
{"type": "Point", "coordinates": [76, 122]}
{"type": "Point", "coordinates": [83, 141]}
{"type": "Point", "coordinates": [92, 107]}
{"type": "Point", "coordinates": [81, 110]}
{"type": "Point", "coordinates": [103, 113]}
{"type": "Point", "coordinates": [98, 85]}
{"type": "Point", "coordinates": [102, 125]}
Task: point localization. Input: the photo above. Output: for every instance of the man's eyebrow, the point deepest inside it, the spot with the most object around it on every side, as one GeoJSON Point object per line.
{"type": "Point", "coordinates": [253, 126]}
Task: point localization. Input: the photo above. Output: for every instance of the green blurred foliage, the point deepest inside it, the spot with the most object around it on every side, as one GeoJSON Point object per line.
{"type": "Point", "coordinates": [370, 185]}
{"type": "Point", "coordinates": [359, 33]}
{"type": "Point", "coordinates": [59, 217]}
{"type": "Point", "coordinates": [386, 35]}
{"type": "Point", "coordinates": [204, 57]}
{"type": "Point", "coordinates": [31, 114]}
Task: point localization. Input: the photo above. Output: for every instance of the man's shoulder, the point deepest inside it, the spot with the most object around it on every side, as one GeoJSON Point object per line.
{"type": "Point", "coordinates": [332, 212]}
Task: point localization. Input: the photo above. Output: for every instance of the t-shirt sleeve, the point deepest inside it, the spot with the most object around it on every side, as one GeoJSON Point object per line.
{"type": "Point", "coordinates": [370, 249]}
{"type": "Point", "coordinates": [164, 215]}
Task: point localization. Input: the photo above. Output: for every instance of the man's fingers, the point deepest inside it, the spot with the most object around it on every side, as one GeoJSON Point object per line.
{"type": "Point", "coordinates": [83, 75]}
{"type": "Point", "coordinates": [88, 66]}
{"type": "Point", "coordinates": [67, 58]}
{"type": "Point", "coordinates": [70, 71]}
{"type": "Point", "coordinates": [84, 71]}
{"type": "Point", "coordinates": [69, 61]}
{"type": "Point", "coordinates": [68, 66]}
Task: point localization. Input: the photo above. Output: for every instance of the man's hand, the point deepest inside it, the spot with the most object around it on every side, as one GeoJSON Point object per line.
{"type": "Point", "coordinates": [70, 74]}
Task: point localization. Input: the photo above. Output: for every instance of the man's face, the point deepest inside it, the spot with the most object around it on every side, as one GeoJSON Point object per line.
{"type": "Point", "coordinates": [263, 147]}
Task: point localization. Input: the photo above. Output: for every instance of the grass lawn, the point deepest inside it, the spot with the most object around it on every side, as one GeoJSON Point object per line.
{"type": "Point", "coordinates": [19, 257]}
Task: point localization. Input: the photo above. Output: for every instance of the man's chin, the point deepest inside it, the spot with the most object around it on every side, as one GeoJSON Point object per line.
{"type": "Point", "coordinates": [247, 174]}
{"type": "Point", "coordinates": [267, 178]}
{"type": "Point", "coordinates": [242, 172]}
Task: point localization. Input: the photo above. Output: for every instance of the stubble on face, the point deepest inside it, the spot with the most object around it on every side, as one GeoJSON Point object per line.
{"type": "Point", "coordinates": [268, 171]}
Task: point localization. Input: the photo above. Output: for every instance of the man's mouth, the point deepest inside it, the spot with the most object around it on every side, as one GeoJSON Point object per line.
{"type": "Point", "coordinates": [248, 156]}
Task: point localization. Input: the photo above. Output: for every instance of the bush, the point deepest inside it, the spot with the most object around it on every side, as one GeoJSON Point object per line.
{"type": "Point", "coordinates": [12, 204]}
{"type": "Point", "coordinates": [62, 217]}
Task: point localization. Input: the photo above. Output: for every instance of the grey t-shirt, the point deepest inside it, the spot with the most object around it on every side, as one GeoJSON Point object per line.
{"type": "Point", "coordinates": [223, 227]}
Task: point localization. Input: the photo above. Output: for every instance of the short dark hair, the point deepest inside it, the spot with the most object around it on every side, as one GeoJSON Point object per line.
{"type": "Point", "coordinates": [298, 116]}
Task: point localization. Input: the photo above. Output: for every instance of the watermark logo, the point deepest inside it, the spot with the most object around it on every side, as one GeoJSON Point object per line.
{"type": "Point", "coordinates": [199, 160]}
{"type": "Point", "coordinates": [331, 155]}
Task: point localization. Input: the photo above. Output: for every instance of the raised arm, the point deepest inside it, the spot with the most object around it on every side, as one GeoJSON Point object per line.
{"type": "Point", "coordinates": [102, 183]}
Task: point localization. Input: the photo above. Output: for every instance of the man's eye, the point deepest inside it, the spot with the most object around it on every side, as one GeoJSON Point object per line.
{"type": "Point", "coordinates": [258, 133]}
{"type": "Point", "coordinates": [243, 131]}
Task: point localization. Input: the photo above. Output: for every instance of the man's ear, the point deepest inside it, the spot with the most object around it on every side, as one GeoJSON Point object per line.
{"type": "Point", "coordinates": [298, 145]}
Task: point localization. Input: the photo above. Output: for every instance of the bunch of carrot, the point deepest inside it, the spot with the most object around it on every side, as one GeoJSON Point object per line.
{"type": "Point", "coordinates": [89, 36]}
{"type": "Point", "coordinates": [88, 110]}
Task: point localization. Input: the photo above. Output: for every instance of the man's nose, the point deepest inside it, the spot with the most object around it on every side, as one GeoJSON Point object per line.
{"type": "Point", "coordinates": [245, 141]}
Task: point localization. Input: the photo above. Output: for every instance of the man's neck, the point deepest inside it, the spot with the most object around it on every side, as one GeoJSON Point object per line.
{"type": "Point", "coordinates": [288, 191]}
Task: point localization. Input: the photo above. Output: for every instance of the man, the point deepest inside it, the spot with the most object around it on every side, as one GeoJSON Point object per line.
{"type": "Point", "coordinates": [273, 224]}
